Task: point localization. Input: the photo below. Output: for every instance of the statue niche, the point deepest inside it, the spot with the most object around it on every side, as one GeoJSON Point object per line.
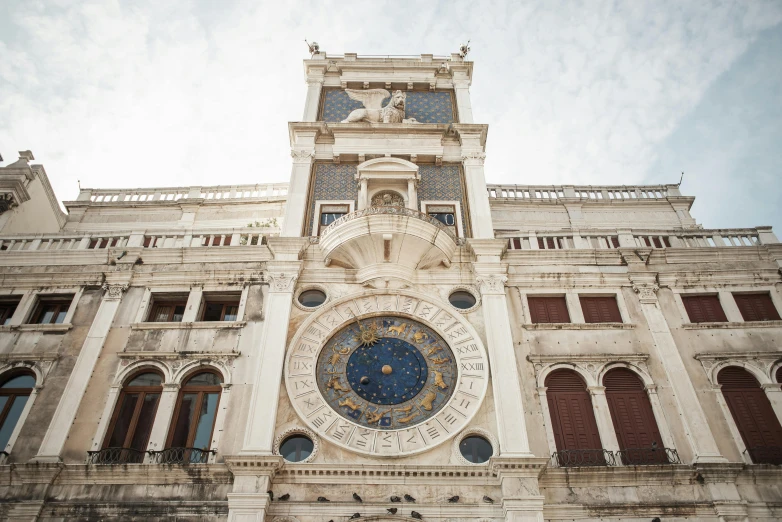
{"type": "Point", "coordinates": [387, 198]}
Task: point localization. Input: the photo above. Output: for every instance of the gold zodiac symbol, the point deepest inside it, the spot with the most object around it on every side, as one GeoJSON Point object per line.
{"type": "Point", "coordinates": [434, 349]}
{"type": "Point", "coordinates": [374, 417]}
{"type": "Point", "coordinates": [420, 336]}
{"type": "Point", "coordinates": [334, 359]}
{"type": "Point", "coordinates": [335, 384]}
{"type": "Point", "coordinates": [349, 403]}
{"type": "Point", "coordinates": [429, 398]}
{"type": "Point", "coordinates": [438, 380]}
{"type": "Point", "coordinates": [405, 420]}
{"type": "Point", "coordinates": [406, 409]}
{"type": "Point", "coordinates": [440, 360]}
{"type": "Point", "coordinates": [397, 330]}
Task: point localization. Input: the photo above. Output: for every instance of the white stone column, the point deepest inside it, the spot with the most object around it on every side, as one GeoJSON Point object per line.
{"type": "Point", "coordinates": [521, 497]}
{"type": "Point", "coordinates": [412, 200]}
{"type": "Point", "coordinates": [461, 87]}
{"type": "Point", "coordinates": [475, 181]}
{"type": "Point", "coordinates": [314, 88]}
{"type": "Point", "coordinates": [64, 415]}
{"type": "Point", "coordinates": [296, 206]}
{"type": "Point", "coordinates": [363, 194]}
{"type": "Point", "coordinates": [552, 441]}
{"type": "Point", "coordinates": [774, 394]}
{"type": "Point", "coordinates": [605, 425]}
{"type": "Point", "coordinates": [693, 417]}
{"type": "Point", "coordinates": [163, 417]}
{"type": "Point", "coordinates": [259, 434]}
{"type": "Point", "coordinates": [506, 386]}
{"type": "Point", "coordinates": [253, 476]}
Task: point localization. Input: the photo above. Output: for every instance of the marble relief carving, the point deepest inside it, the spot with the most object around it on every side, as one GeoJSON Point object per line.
{"type": "Point", "coordinates": [373, 111]}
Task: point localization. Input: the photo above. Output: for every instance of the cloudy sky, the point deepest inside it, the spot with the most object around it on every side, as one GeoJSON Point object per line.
{"type": "Point", "coordinates": [164, 93]}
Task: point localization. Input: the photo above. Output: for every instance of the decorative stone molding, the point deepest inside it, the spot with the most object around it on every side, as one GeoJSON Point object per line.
{"type": "Point", "coordinates": [475, 157]}
{"type": "Point", "coordinates": [285, 519]}
{"type": "Point", "coordinates": [590, 366]}
{"type": "Point", "coordinates": [304, 288]}
{"type": "Point", "coordinates": [387, 198]}
{"type": "Point", "coordinates": [281, 282]}
{"type": "Point", "coordinates": [278, 440]}
{"type": "Point", "coordinates": [114, 291]}
{"type": "Point", "coordinates": [7, 202]}
{"type": "Point", "coordinates": [760, 364]}
{"type": "Point", "coordinates": [647, 292]}
{"type": "Point", "coordinates": [480, 432]}
{"type": "Point", "coordinates": [302, 156]}
{"type": "Point", "coordinates": [493, 284]}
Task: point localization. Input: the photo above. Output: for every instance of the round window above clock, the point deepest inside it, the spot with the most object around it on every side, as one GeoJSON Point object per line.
{"type": "Point", "coordinates": [386, 374]}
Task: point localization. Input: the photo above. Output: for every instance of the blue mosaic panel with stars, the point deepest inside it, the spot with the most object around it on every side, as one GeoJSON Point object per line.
{"type": "Point", "coordinates": [424, 106]}
{"type": "Point", "coordinates": [387, 372]}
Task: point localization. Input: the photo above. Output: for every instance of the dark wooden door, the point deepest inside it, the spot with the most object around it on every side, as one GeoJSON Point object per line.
{"type": "Point", "coordinates": [633, 418]}
{"type": "Point", "coordinates": [572, 416]}
{"type": "Point", "coordinates": [755, 418]}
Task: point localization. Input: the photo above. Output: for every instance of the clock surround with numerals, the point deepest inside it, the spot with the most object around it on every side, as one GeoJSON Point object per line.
{"type": "Point", "coordinates": [386, 374]}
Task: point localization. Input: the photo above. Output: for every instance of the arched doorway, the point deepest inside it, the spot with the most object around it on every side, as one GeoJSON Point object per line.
{"type": "Point", "coordinates": [573, 420]}
{"type": "Point", "coordinates": [752, 412]}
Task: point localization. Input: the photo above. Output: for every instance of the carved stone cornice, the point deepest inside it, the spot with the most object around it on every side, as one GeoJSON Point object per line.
{"type": "Point", "coordinates": [492, 284]}
{"type": "Point", "coordinates": [114, 291]}
{"type": "Point", "coordinates": [282, 282]}
{"type": "Point", "coordinates": [267, 465]}
{"type": "Point", "coordinates": [302, 156]}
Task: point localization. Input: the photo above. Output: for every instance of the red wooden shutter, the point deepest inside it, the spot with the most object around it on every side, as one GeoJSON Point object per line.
{"type": "Point", "coordinates": [756, 307]}
{"type": "Point", "coordinates": [572, 416]}
{"type": "Point", "coordinates": [548, 309]}
{"type": "Point", "coordinates": [704, 308]}
{"type": "Point", "coordinates": [600, 309]}
{"type": "Point", "coordinates": [632, 415]}
{"type": "Point", "coordinates": [753, 414]}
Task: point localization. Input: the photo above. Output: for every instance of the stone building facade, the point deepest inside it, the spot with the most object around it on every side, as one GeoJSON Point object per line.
{"type": "Point", "coordinates": [385, 337]}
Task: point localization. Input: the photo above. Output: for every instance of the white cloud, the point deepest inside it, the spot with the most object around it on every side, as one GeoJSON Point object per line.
{"type": "Point", "coordinates": [156, 93]}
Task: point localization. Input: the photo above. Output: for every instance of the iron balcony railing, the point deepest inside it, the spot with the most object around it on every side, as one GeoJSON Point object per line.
{"type": "Point", "coordinates": [116, 456]}
{"type": "Point", "coordinates": [390, 210]}
{"type": "Point", "coordinates": [182, 456]}
{"type": "Point", "coordinates": [648, 456]}
{"type": "Point", "coordinates": [109, 456]}
{"type": "Point", "coordinates": [765, 454]}
{"type": "Point", "coordinates": [602, 457]}
{"type": "Point", "coordinates": [582, 457]}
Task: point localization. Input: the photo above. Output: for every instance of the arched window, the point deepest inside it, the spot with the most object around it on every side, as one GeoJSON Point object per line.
{"type": "Point", "coordinates": [573, 420]}
{"type": "Point", "coordinates": [779, 374]}
{"type": "Point", "coordinates": [190, 436]}
{"type": "Point", "coordinates": [14, 393]}
{"type": "Point", "coordinates": [132, 420]}
{"type": "Point", "coordinates": [634, 422]}
{"type": "Point", "coordinates": [752, 412]}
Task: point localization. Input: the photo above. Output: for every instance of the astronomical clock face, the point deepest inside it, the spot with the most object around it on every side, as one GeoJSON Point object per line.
{"type": "Point", "coordinates": [386, 374]}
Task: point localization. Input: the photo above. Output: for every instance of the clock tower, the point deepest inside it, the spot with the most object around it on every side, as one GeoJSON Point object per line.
{"type": "Point", "coordinates": [387, 313]}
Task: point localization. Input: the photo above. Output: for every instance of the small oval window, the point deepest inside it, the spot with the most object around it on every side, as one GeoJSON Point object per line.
{"type": "Point", "coordinates": [476, 449]}
{"type": "Point", "coordinates": [312, 298]}
{"type": "Point", "coordinates": [296, 448]}
{"type": "Point", "coordinates": [462, 299]}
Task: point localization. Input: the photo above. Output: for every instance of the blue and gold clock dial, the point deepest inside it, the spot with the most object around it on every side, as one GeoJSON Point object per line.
{"type": "Point", "coordinates": [386, 372]}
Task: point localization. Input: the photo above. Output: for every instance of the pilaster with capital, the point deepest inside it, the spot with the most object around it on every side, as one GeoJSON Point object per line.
{"type": "Point", "coordinates": [303, 154]}
{"type": "Point", "coordinates": [269, 353]}
{"type": "Point", "coordinates": [691, 411]}
{"type": "Point", "coordinates": [62, 420]}
{"type": "Point", "coordinates": [473, 157]}
{"type": "Point", "coordinates": [506, 384]}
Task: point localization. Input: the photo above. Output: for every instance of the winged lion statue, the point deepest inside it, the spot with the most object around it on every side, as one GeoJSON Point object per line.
{"type": "Point", "coordinates": [373, 111]}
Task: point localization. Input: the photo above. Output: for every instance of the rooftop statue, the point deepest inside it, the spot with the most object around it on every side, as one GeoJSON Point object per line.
{"type": "Point", "coordinates": [373, 111]}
